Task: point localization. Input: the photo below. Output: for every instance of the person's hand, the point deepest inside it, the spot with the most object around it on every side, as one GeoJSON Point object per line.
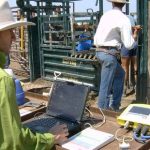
{"type": "Point", "coordinates": [136, 30]}
{"type": "Point", "coordinates": [137, 27]}
{"type": "Point", "coordinates": [60, 132]}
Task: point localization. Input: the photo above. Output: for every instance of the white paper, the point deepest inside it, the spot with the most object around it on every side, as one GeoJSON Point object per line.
{"type": "Point", "coordinates": [88, 139]}
{"type": "Point", "coordinates": [24, 112]}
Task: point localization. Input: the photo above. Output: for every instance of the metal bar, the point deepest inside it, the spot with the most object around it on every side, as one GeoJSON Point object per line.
{"type": "Point", "coordinates": [142, 53]}
{"type": "Point", "coordinates": [71, 75]}
{"type": "Point", "coordinates": [69, 66]}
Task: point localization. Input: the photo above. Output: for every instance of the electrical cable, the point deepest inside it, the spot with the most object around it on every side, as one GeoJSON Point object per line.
{"type": "Point", "coordinates": [126, 125]}
{"type": "Point", "coordinates": [136, 134]}
{"type": "Point", "coordinates": [138, 139]}
{"type": "Point", "coordinates": [124, 138]}
{"type": "Point", "coordinates": [103, 122]}
{"type": "Point", "coordinates": [144, 132]}
{"type": "Point", "coordinates": [147, 137]}
{"type": "Point", "coordinates": [36, 115]}
{"type": "Point", "coordinates": [89, 111]}
{"type": "Point", "coordinates": [97, 125]}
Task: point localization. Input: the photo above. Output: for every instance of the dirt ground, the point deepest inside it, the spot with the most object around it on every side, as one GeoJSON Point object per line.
{"type": "Point", "coordinates": [41, 86]}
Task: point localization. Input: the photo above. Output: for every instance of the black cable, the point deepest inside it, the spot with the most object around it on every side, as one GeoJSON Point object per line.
{"type": "Point", "coordinates": [136, 134]}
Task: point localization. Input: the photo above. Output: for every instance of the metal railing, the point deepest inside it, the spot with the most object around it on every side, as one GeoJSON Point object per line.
{"type": "Point", "coordinates": [19, 50]}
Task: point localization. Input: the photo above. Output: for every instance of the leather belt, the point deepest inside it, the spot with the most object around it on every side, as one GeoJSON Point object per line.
{"type": "Point", "coordinates": [108, 47]}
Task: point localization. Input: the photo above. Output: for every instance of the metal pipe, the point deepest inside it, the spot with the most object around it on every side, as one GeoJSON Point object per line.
{"type": "Point", "coordinates": [22, 35]}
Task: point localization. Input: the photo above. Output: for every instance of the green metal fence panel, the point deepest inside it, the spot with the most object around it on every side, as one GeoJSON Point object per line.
{"type": "Point", "coordinates": [34, 53]}
{"type": "Point", "coordinates": [54, 40]}
{"type": "Point", "coordinates": [142, 51]}
{"type": "Point", "coordinates": [73, 68]}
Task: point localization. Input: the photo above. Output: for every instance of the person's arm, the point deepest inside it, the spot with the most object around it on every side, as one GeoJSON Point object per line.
{"type": "Point", "coordinates": [16, 136]}
{"type": "Point", "coordinates": [136, 30]}
{"type": "Point", "coordinates": [36, 141]}
{"type": "Point", "coordinates": [126, 35]}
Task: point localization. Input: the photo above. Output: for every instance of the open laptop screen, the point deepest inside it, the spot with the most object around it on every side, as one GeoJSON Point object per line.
{"type": "Point", "coordinates": [67, 100]}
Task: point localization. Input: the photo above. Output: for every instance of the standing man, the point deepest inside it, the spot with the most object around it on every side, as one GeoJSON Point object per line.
{"type": "Point", "coordinates": [114, 29]}
{"type": "Point", "coordinates": [13, 135]}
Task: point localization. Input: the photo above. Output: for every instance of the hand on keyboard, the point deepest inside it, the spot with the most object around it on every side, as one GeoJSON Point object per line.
{"type": "Point", "coordinates": [60, 131]}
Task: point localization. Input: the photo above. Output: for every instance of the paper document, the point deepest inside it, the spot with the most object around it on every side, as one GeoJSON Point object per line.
{"type": "Point", "coordinates": [24, 112]}
{"type": "Point", "coordinates": [88, 139]}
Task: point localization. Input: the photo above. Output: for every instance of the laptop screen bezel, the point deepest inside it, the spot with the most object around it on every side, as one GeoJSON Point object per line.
{"type": "Point", "coordinates": [51, 100]}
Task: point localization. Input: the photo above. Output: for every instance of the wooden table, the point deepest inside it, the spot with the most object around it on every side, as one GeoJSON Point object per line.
{"type": "Point", "coordinates": [110, 126]}
{"type": "Point", "coordinates": [35, 98]}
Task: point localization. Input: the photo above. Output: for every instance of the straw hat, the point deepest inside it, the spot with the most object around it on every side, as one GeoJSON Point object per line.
{"type": "Point", "coordinates": [7, 20]}
{"type": "Point", "coordinates": [118, 1]}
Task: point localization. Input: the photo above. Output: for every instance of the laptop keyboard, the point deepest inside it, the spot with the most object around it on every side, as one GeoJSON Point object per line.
{"type": "Point", "coordinates": [43, 124]}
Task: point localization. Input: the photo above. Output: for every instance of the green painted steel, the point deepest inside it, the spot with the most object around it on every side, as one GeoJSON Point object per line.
{"type": "Point", "coordinates": [53, 41]}
{"type": "Point", "coordinates": [142, 10]}
{"type": "Point", "coordinates": [47, 57]}
{"type": "Point", "coordinates": [73, 68]}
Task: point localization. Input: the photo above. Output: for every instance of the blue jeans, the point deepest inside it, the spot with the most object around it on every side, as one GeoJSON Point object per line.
{"type": "Point", "coordinates": [112, 80]}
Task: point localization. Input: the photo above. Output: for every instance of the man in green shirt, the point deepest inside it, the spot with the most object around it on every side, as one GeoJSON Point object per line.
{"type": "Point", "coordinates": [12, 135]}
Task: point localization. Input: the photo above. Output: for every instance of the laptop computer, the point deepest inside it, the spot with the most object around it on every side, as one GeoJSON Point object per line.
{"type": "Point", "coordinates": [66, 105]}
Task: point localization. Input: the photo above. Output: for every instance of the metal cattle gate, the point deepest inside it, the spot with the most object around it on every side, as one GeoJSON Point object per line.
{"type": "Point", "coordinates": [53, 41]}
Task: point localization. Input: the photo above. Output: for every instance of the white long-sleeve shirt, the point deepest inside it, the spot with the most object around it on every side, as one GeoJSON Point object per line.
{"type": "Point", "coordinates": [114, 29]}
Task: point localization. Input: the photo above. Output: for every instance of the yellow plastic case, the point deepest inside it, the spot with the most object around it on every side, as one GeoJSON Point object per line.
{"type": "Point", "coordinates": [135, 114]}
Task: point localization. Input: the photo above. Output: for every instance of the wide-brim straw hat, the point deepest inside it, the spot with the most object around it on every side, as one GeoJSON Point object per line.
{"type": "Point", "coordinates": [119, 1]}
{"type": "Point", "coordinates": [7, 20]}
